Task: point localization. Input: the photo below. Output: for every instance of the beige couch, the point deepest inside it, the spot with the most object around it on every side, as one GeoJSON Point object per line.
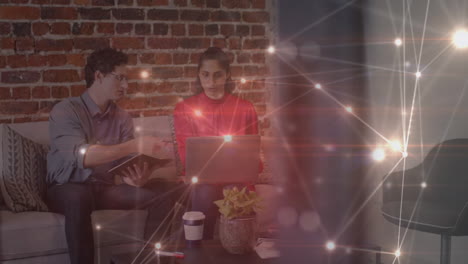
{"type": "Point", "coordinates": [39, 237]}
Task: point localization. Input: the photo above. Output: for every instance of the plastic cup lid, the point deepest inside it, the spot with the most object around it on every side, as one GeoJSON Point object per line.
{"type": "Point", "coordinates": [194, 215]}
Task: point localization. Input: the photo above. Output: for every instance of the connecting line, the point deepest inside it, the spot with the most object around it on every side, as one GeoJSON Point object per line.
{"type": "Point", "coordinates": [424, 33]}
{"type": "Point", "coordinates": [436, 57]}
{"type": "Point", "coordinates": [412, 31]}
{"type": "Point", "coordinates": [319, 21]}
{"type": "Point", "coordinates": [351, 219]}
{"type": "Point", "coordinates": [401, 203]}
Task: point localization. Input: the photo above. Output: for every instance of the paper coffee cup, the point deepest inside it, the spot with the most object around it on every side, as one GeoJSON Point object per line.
{"type": "Point", "coordinates": [193, 227]}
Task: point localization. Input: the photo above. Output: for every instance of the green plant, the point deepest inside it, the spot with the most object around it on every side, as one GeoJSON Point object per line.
{"type": "Point", "coordinates": [237, 203]}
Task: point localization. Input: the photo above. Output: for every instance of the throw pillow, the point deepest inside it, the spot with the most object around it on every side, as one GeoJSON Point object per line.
{"type": "Point", "coordinates": [23, 171]}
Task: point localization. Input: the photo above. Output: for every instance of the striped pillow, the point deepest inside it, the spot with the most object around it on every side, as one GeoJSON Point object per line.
{"type": "Point", "coordinates": [23, 168]}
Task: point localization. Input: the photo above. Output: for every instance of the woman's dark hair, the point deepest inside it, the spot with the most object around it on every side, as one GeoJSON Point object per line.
{"type": "Point", "coordinates": [215, 53]}
{"type": "Point", "coordinates": [105, 61]}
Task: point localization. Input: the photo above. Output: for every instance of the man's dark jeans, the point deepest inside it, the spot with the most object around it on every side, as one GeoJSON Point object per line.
{"type": "Point", "coordinates": [76, 201]}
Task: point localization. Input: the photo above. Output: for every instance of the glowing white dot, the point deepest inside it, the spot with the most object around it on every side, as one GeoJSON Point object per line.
{"type": "Point", "coordinates": [158, 245]}
{"type": "Point", "coordinates": [398, 42]}
{"type": "Point", "coordinates": [82, 151]}
{"type": "Point", "coordinates": [309, 221]}
{"type": "Point", "coordinates": [349, 109]}
{"type": "Point", "coordinates": [271, 49]}
{"type": "Point", "coordinates": [403, 113]}
{"type": "Point", "coordinates": [404, 154]}
{"type": "Point", "coordinates": [423, 185]}
{"type": "Point", "coordinates": [331, 245]}
{"type": "Point", "coordinates": [460, 39]}
{"type": "Point", "coordinates": [397, 253]}
{"type": "Point", "coordinates": [144, 74]}
{"type": "Point", "coordinates": [396, 145]}
{"type": "Point", "coordinates": [287, 216]}
{"type": "Point", "coordinates": [318, 86]}
{"type": "Point", "coordinates": [198, 113]}
{"type": "Point", "coordinates": [227, 138]}
{"type": "Point", "coordinates": [243, 80]}
{"type": "Point", "coordinates": [329, 147]}
{"type": "Point", "coordinates": [378, 154]}
{"type": "Point", "coordinates": [194, 179]}
{"type": "Point", "coordinates": [407, 64]}
{"type": "Point", "coordinates": [138, 128]}
{"type": "Point", "coordinates": [98, 227]}
{"type": "Point", "coordinates": [418, 74]}
{"type": "Point", "coordinates": [348, 250]}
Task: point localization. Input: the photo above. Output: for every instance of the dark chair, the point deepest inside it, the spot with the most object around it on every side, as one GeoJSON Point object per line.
{"type": "Point", "coordinates": [442, 206]}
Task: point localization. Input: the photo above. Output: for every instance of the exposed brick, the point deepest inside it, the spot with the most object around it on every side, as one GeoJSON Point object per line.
{"type": "Point", "coordinates": [167, 72]}
{"type": "Point", "coordinates": [7, 43]}
{"type": "Point", "coordinates": [60, 2]}
{"type": "Point", "coordinates": [213, 3]}
{"type": "Point", "coordinates": [76, 59]}
{"type": "Point", "coordinates": [133, 103]}
{"type": "Point", "coordinates": [60, 28]}
{"type": "Point", "coordinates": [94, 13]}
{"type": "Point", "coordinates": [5, 28]}
{"type": "Point", "coordinates": [5, 93]}
{"type": "Point", "coordinates": [194, 15]}
{"type": "Point", "coordinates": [128, 43]}
{"type": "Point", "coordinates": [162, 43]}
{"type": "Point", "coordinates": [21, 92]}
{"type": "Point", "coordinates": [59, 13]}
{"type": "Point", "coordinates": [2, 62]}
{"type": "Point", "coordinates": [57, 59]}
{"type": "Point", "coordinates": [61, 76]}
{"type": "Point", "coordinates": [5, 120]}
{"type": "Point", "coordinates": [237, 71]}
{"type": "Point", "coordinates": [235, 43]}
{"type": "Point", "coordinates": [125, 2]}
{"type": "Point", "coordinates": [103, 2]}
{"type": "Point", "coordinates": [254, 71]}
{"type": "Point", "coordinates": [180, 58]}
{"type": "Point", "coordinates": [19, 12]}
{"type": "Point", "coordinates": [190, 72]}
{"type": "Point", "coordinates": [180, 2]}
{"type": "Point", "coordinates": [17, 61]}
{"type": "Point", "coordinates": [91, 43]}
{"type": "Point", "coordinates": [258, 30]}
{"type": "Point", "coordinates": [258, 4]}
{"type": "Point", "coordinates": [242, 30]}
{"type": "Point", "coordinates": [132, 59]}
{"type": "Point", "coordinates": [211, 30]}
{"type": "Point", "coordinates": [227, 30]}
{"type": "Point", "coordinates": [22, 29]}
{"type": "Point", "coordinates": [20, 77]}
{"type": "Point", "coordinates": [256, 17]}
{"type": "Point", "coordinates": [123, 28]}
{"type": "Point", "coordinates": [86, 28]}
{"type": "Point", "coordinates": [256, 44]}
{"type": "Point", "coordinates": [60, 92]}
{"type": "Point", "coordinates": [231, 57]}
{"type": "Point", "coordinates": [236, 3]}
{"type": "Point", "coordinates": [41, 2]}
{"type": "Point", "coordinates": [24, 44]}
{"type": "Point", "coordinates": [178, 29]}
{"type": "Point", "coordinates": [142, 29]}
{"type": "Point", "coordinates": [160, 29]}
{"type": "Point", "coordinates": [14, 108]}
{"type": "Point", "coordinates": [225, 16]}
{"type": "Point", "coordinates": [258, 58]}
{"type": "Point", "coordinates": [195, 43]}
{"type": "Point", "coordinates": [146, 58]}
{"type": "Point", "coordinates": [196, 30]}
{"type": "Point", "coordinates": [258, 84]}
{"type": "Point", "coordinates": [54, 45]}
{"type": "Point", "coordinates": [22, 119]}
{"type": "Point", "coordinates": [243, 58]}
{"type": "Point", "coordinates": [152, 2]}
{"type": "Point", "coordinates": [163, 88]}
{"type": "Point", "coordinates": [35, 60]}
{"type": "Point", "coordinates": [82, 2]}
{"type": "Point", "coordinates": [254, 97]}
{"type": "Point", "coordinates": [128, 14]}
{"type": "Point", "coordinates": [181, 87]}
{"type": "Point", "coordinates": [219, 42]}
{"type": "Point", "coordinates": [163, 14]}
{"type": "Point", "coordinates": [41, 92]}
{"type": "Point", "coordinates": [19, 1]}
{"type": "Point", "coordinates": [194, 58]}
{"type": "Point", "coordinates": [105, 28]}
{"type": "Point", "coordinates": [197, 3]}
{"type": "Point", "coordinates": [40, 28]}
{"type": "Point", "coordinates": [162, 59]}
{"type": "Point", "coordinates": [77, 90]}
{"type": "Point", "coordinates": [165, 100]}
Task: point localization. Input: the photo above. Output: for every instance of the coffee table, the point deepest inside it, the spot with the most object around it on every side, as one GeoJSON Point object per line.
{"type": "Point", "coordinates": [210, 252]}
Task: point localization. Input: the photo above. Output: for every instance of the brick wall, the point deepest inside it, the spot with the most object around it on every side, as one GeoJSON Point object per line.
{"type": "Point", "coordinates": [44, 44]}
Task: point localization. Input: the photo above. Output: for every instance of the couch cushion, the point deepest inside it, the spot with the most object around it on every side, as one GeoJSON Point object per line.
{"type": "Point", "coordinates": [22, 171]}
{"type": "Point", "coordinates": [32, 234]}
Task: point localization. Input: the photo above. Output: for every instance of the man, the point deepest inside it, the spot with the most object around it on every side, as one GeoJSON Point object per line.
{"type": "Point", "coordinates": [89, 134]}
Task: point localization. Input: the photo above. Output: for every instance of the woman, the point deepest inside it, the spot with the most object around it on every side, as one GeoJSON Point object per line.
{"type": "Point", "coordinates": [213, 111]}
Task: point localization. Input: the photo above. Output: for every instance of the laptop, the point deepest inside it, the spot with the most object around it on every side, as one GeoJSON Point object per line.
{"type": "Point", "coordinates": [223, 159]}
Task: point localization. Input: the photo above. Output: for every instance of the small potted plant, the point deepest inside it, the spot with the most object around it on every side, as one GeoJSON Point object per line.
{"type": "Point", "coordinates": [237, 227]}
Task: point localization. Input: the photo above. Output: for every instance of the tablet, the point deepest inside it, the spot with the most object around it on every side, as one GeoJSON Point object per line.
{"type": "Point", "coordinates": [140, 159]}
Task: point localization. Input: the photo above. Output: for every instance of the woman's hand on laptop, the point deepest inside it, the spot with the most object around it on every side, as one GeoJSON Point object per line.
{"type": "Point", "coordinates": [137, 176]}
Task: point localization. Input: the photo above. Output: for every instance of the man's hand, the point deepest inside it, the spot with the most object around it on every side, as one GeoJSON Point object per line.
{"type": "Point", "coordinates": [136, 176]}
{"type": "Point", "coordinates": [147, 145]}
